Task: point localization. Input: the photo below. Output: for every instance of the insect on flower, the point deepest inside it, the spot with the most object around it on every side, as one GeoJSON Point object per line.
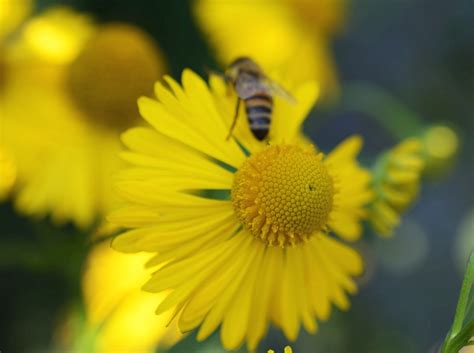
{"type": "Point", "coordinates": [261, 255]}
{"type": "Point", "coordinates": [257, 91]}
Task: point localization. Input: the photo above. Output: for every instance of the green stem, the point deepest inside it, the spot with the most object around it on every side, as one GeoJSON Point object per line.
{"type": "Point", "coordinates": [383, 107]}
{"type": "Point", "coordinates": [452, 340]}
{"type": "Point", "coordinates": [464, 296]}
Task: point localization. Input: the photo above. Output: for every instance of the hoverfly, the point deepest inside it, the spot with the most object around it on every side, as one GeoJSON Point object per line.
{"type": "Point", "coordinates": [257, 91]}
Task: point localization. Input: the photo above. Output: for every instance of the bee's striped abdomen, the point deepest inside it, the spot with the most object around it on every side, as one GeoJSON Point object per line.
{"type": "Point", "coordinates": [259, 114]}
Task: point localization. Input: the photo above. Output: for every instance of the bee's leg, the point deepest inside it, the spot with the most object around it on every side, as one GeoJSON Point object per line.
{"type": "Point", "coordinates": [229, 86]}
{"type": "Point", "coordinates": [236, 115]}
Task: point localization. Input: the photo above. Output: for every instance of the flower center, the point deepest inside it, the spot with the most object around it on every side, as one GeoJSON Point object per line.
{"type": "Point", "coordinates": [283, 195]}
{"type": "Point", "coordinates": [118, 65]}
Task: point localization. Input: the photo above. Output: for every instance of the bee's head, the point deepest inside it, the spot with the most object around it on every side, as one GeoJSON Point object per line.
{"type": "Point", "coordinates": [240, 65]}
{"type": "Point", "coordinates": [231, 74]}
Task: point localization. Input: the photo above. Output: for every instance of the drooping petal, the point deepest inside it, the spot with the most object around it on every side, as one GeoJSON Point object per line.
{"type": "Point", "coordinates": [267, 278]}
{"type": "Point", "coordinates": [166, 233]}
{"type": "Point", "coordinates": [150, 193]}
{"type": "Point", "coordinates": [169, 125]}
{"type": "Point", "coordinates": [353, 193]}
{"type": "Point", "coordinates": [235, 323]}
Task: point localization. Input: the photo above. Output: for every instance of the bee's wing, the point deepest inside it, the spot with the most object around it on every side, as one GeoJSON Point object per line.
{"type": "Point", "coordinates": [277, 90]}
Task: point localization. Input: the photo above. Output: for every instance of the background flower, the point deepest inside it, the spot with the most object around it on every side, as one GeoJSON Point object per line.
{"type": "Point", "coordinates": [12, 13]}
{"type": "Point", "coordinates": [118, 315]}
{"type": "Point", "coordinates": [70, 88]}
{"type": "Point", "coordinates": [396, 184]}
{"type": "Point", "coordinates": [276, 34]}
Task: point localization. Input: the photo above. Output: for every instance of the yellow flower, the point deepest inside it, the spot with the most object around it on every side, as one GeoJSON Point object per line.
{"type": "Point", "coordinates": [275, 34]}
{"type": "Point", "coordinates": [121, 314]}
{"type": "Point", "coordinates": [287, 350]}
{"type": "Point", "coordinates": [12, 13]}
{"type": "Point", "coordinates": [326, 16]}
{"type": "Point", "coordinates": [240, 228]}
{"type": "Point", "coordinates": [441, 145]}
{"type": "Point", "coordinates": [7, 173]}
{"type": "Point", "coordinates": [64, 104]}
{"type": "Point", "coordinates": [396, 182]}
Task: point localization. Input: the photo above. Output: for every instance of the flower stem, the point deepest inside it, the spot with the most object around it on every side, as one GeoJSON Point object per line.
{"type": "Point", "coordinates": [460, 334]}
{"type": "Point", "coordinates": [383, 107]}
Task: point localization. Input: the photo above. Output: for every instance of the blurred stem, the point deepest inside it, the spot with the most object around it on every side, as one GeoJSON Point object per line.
{"type": "Point", "coordinates": [383, 107]}
{"type": "Point", "coordinates": [460, 334]}
{"type": "Point", "coordinates": [79, 334]}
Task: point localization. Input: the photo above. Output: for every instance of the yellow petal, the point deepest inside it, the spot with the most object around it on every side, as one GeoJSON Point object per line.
{"type": "Point", "coordinates": [335, 279]}
{"type": "Point", "coordinates": [386, 214]}
{"type": "Point", "coordinates": [402, 177]}
{"type": "Point", "coordinates": [346, 257]}
{"type": "Point", "coordinates": [179, 179]}
{"type": "Point", "coordinates": [289, 320]}
{"type": "Point", "coordinates": [409, 145]}
{"type": "Point", "coordinates": [317, 283]}
{"type": "Point", "coordinates": [258, 326]}
{"type": "Point", "coordinates": [184, 274]}
{"type": "Point", "coordinates": [236, 320]}
{"type": "Point", "coordinates": [167, 154]}
{"type": "Point", "coordinates": [347, 149]}
{"type": "Point", "coordinates": [160, 118]}
{"type": "Point", "coordinates": [161, 235]}
{"type": "Point", "coordinates": [219, 310]}
{"type": "Point", "coordinates": [296, 257]}
{"type": "Point", "coordinates": [201, 302]}
{"type": "Point", "coordinates": [288, 118]}
{"type": "Point", "coordinates": [149, 193]}
{"type": "Point", "coordinates": [345, 225]}
{"type": "Point", "coordinates": [189, 246]}
{"type": "Point", "coordinates": [134, 216]}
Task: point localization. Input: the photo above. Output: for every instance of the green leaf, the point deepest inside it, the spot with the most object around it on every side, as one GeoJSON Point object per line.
{"type": "Point", "coordinates": [463, 325]}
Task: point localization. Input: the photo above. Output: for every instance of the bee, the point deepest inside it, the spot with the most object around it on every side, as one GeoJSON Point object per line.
{"type": "Point", "coordinates": [256, 90]}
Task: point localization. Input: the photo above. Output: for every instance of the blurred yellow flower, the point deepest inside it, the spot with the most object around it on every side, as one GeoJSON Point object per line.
{"type": "Point", "coordinates": [262, 252]}
{"type": "Point", "coordinates": [275, 34]}
{"type": "Point", "coordinates": [12, 13]}
{"type": "Point", "coordinates": [287, 350]}
{"type": "Point", "coordinates": [57, 36]}
{"type": "Point", "coordinates": [121, 314]}
{"type": "Point", "coordinates": [63, 106]}
{"type": "Point", "coordinates": [7, 173]}
{"type": "Point", "coordinates": [325, 16]}
{"type": "Point", "coordinates": [396, 182]}
{"type": "Point", "coordinates": [441, 144]}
